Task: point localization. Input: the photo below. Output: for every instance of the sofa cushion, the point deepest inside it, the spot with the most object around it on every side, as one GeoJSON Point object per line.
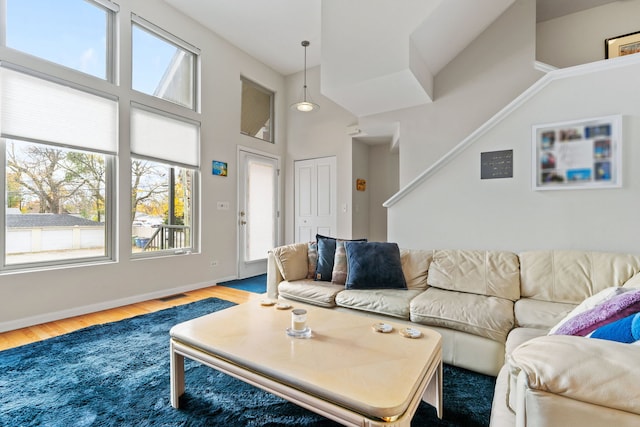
{"type": "Point", "coordinates": [312, 259]}
{"type": "Point", "coordinates": [415, 266]}
{"type": "Point", "coordinates": [585, 370]}
{"type": "Point", "coordinates": [390, 302]}
{"type": "Point", "coordinates": [310, 291]}
{"type": "Point", "coordinates": [573, 276]}
{"type": "Point", "coordinates": [533, 313]}
{"type": "Point", "coordinates": [519, 336]}
{"type": "Point", "coordinates": [339, 273]}
{"type": "Point", "coordinates": [633, 282]}
{"type": "Point", "coordinates": [292, 261]}
{"type": "Point", "coordinates": [606, 312]}
{"type": "Point", "coordinates": [491, 273]}
{"type": "Point", "coordinates": [486, 316]}
{"type": "Point", "coordinates": [374, 265]}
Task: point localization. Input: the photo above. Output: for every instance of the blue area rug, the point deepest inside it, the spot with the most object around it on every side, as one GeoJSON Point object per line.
{"type": "Point", "coordinates": [256, 284]}
{"type": "Point", "coordinates": [117, 374]}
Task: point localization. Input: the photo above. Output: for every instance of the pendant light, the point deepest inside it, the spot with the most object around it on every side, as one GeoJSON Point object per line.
{"type": "Point", "coordinates": [305, 105]}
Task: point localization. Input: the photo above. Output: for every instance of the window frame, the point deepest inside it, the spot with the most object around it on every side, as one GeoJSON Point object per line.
{"type": "Point", "coordinates": [195, 190]}
{"type": "Point", "coordinates": [110, 213]}
{"type": "Point", "coordinates": [195, 209]}
{"type": "Point", "coordinates": [272, 95]}
{"type": "Point", "coordinates": [115, 169]}
{"type": "Point", "coordinates": [169, 38]}
{"type": "Point", "coordinates": [111, 48]}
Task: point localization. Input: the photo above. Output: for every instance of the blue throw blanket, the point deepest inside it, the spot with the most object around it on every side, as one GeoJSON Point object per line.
{"type": "Point", "coordinates": [626, 330]}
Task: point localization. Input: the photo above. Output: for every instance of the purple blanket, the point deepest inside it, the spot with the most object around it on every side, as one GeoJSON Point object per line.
{"type": "Point", "coordinates": [609, 311]}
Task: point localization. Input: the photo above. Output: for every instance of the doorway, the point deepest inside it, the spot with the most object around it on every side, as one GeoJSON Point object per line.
{"type": "Point", "coordinates": [258, 219]}
{"type": "Point", "coordinates": [315, 198]}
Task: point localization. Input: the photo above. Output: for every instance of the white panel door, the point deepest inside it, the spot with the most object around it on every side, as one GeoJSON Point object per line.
{"type": "Point", "coordinates": [315, 198]}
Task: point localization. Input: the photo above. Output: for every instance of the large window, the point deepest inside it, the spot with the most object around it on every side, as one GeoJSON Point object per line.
{"type": "Point", "coordinates": [163, 65]}
{"type": "Point", "coordinates": [257, 111]}
{"type": "Point", "coordinates": [56, 204]}
{"type": "Point", "coordinates": [60, 129]}
{"type": "Point", "coordinates": [75, 33]}
{"type": "Point", "coordinates": [58, 144]}
{"type": "Point", "coordinates": [164, 171]}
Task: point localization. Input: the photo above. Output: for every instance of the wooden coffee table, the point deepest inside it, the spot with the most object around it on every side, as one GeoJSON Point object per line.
{"type": "Point", "coordinates": [346, 371]}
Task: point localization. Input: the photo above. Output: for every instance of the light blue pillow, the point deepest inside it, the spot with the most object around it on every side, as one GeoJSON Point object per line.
{"type": "Point", "coordinates": [374, 265]}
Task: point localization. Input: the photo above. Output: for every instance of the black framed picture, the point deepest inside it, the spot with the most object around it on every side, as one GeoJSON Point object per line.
{"type": "Point", "coordinates": [626, 44]}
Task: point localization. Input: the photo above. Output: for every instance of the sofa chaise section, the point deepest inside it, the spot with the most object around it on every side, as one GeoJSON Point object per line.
{"type": "Point", "coordinates": [550, 380]}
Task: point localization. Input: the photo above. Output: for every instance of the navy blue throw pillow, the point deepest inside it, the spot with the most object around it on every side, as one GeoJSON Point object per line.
{"type": "Point", "coordinates": [326, 256]}
{"type": "Point", "coordinates": [374, 265]}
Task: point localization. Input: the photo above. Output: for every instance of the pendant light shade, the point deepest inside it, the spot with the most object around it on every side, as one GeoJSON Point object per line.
{"type": "Point", "coordinates": [306, 105]}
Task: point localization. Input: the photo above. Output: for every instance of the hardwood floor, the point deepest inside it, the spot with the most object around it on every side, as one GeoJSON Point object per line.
{"type": "Point", "coordinates": [35, 333]}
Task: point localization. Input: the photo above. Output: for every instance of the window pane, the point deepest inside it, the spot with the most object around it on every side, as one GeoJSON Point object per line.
{"type": "Point", "coordinates": [56, 203]}
{"type": "Point", "coordinates": [162, 208]}
{"type": "Point", "coordinates": [72, 33]}
{"type": "Point", "coordinates": [161, 68]}
{"type": "Point", "coordinates": [257, 110]}
{"type": "Point", "coordinates": [260, 209]}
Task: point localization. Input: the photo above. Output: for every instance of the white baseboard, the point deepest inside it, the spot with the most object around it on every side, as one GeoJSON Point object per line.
{"type": "Point", "coordinates": [92, 308]}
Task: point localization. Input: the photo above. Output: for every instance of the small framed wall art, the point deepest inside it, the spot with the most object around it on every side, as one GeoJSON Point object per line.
{"type": "Point", "coordinates": [622, 45]}
{"type": "Point", "coordinates": [219, 168]}
{"type": "Point", "coordinates": [578, 154]}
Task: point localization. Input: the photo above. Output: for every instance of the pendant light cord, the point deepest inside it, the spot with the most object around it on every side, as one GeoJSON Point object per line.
{"type": "Point", "coordinates": [305, 43]}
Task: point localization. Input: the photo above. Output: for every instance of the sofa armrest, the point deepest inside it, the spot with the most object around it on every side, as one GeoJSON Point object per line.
{"type": "Point", "coordinates": [274, 276]}
{"type": "Point", "coordinates": [593, 371]}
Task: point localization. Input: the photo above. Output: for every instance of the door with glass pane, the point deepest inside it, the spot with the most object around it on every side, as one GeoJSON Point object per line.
{"type": "Point", "coordinates": [257, 211]}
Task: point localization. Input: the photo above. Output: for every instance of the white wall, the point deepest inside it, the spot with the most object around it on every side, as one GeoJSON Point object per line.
{"type": "Point", "coordinates": [579, 38]}
{"type": "Point", "coordinates": [455, 209]}
{"type": "Point", "coordinates": [317, 134]}
{"type": "Point", "coordinates": [383, 182]}
{"type": "Point", "coordinates": [32, 297]}
{"type": "Point", "coordinates": [360, 199]}
{"type": "Point", "coordinates": [486, 76]}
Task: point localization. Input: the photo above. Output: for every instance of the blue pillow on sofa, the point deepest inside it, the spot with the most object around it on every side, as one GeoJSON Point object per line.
{"type": "Point", "coordinates": [326, 256]}
{"type": "Point", "coordinates": [374, 265]}
{"type": "Point", "coordinates": [626, 330]}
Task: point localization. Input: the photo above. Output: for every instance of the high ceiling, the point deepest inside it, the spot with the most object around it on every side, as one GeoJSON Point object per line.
{"type": "Point", "coordinates": [272, 30]}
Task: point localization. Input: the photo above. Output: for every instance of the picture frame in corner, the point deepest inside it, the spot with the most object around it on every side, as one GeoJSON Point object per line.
{"type": "Point", "coordinates": [626, 44]}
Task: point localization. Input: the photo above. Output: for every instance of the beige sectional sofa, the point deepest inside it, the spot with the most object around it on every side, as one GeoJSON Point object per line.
{"type": "Point", "coordinates": [494, 310]}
